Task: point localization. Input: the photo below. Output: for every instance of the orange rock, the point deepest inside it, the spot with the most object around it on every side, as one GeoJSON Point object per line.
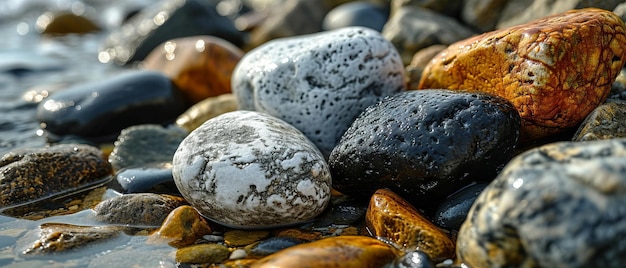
{"type": "Point", "coordinates": [337, 252]}
{"type": "Point", "coordinates": [200, 66]}
{"type": "Point", "coordinates": [393, 218]}
{"type": "Point", "coordinates": [555, 70]}
{"type": "Point", "coordinates": [182, 227]}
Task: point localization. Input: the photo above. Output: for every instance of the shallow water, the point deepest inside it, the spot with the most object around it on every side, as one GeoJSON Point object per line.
{"type": "Point", "coordinates": [31, 66]}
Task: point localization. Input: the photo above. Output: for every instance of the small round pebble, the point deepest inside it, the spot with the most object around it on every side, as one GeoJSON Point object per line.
{"type": "Point", "coordinates": [250, 170]}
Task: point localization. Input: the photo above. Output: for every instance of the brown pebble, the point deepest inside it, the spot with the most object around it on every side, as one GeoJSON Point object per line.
{"type": "Point", "coordinates": [200, 66]}
{"type": "Point", "coordinates": [237, 238]}
{"type": "Point", "coordinates": [59, 237]}
{"type": "Point", "coordinates": [555, 70]}
{"type": "Point", "coordinates": [140, 210]}
{"type": "Point", "coordinates": [202, 254]}
{"type": "Point", "coordinates": [393, 218]}
{"type": "Point", "coordinates": [337, 252]}
{"type": "Point", "coordinates": [183, 226]}
{"type": "Point", "coordinates": [65, 23]}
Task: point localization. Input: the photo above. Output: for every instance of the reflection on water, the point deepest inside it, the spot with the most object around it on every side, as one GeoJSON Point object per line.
{"type": "Point", "coordinates": [33, 66]}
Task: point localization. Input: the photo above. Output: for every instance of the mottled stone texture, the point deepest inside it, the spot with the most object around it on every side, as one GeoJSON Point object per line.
{"type": "Point", "coordinates": [608, 121]}
{"type": "Point", "coordinates": [554, 70]}
{"type": "Point", "coordinates": [29, 175]}
{"type": "Point", "coordinates": [559, 205]}
{"type": "Point", "coordinates": [60, 237]}
{"type": "Point", "coordinates": [247, 169]}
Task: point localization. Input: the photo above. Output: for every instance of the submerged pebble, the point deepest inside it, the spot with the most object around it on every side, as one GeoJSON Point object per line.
{"type": "Point", "coordinates": [29, 175]}
{"type": "Point", "coordinates": [137, 210]}
{"type": "Point", "coordinates": [247, 169]}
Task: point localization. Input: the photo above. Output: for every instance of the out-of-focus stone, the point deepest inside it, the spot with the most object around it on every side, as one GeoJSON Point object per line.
{"type": "Point", "coordinates": [607, 121]}
{"type": "Point", "coordinates": [59, 237]}
{"type": "Point", "coordinates": [152, 178]}
{"type": "Point", "coordinates": [450, 8]}
{"type": "Point", "coordinates": [29, 175]}
{"type": "Point", "coordinates": [413, 28]}
{"type": "Point", "coordinates": [393, 218]}
{"type": "Point", "coordinates": [339, 251]}
{"type": "Point", "coordinates": [413, 259]}
{"type": "Point", "coordinates": [451, 213]}
{"type": "Point", "coordinates": [555, 70]}
{"type": "Point", "coordinates": [169, 19]}
{"type": "Point", "coordinates": [237, 238]}
{"type": "Point", "coordinates": [202, 253]}
{"type": "Point", "coordinates": [101, 109]}
{"type": "Point", "coordinates": [200, 66]}
{"type": "Point", "coordinates": [357, 13]}
{"type": "Point", "coordinates": [419, 62]}
{"type": "Point", "coordinates": [618, 88]}
{"type": "Point", "coordinates": [483, 14]}
{"type": "Point", "coordinates": [272, 245]}
{"type": "Point", "coordinates": [140, 210]}
{"type": "Point", "coordinates": [140, 145]}
{"type": "Point", "coordinates": [518, 220]}
{"type": "Point", "coordinates": [65, 23]}
{"type": "Point", "coordinates": [524, 11]}
{"type": "Point", "coordinates": [205, 110]}
{"type": "Point", "coordinates": [182, 227]}
{"type": "Point", "coordinates": [289, 18]}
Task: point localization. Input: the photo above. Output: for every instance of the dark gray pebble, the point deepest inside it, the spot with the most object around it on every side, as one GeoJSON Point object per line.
{"type": "Point", "coordinates": [452, 213]}
{"type": "Point", "coordinates": [425, 145]}
{"type": "Point", "coordinates": [272, 245]}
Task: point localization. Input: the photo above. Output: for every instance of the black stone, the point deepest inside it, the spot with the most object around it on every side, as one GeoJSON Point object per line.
{"type": "Point", "coordinates": [104, 108]}
{"type": "Point", "coordinates": [273, 245]}
{"type": "Point", "coordinates": [357, 14]}
{"type": "Point", "coordinates": [452, 213]}
{"type": "Point", "coordinates": [147, 179]}
{"type": "Point", "coordinates": [425, 145]}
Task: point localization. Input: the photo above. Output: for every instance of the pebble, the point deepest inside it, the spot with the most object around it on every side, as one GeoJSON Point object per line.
{"type": "Point", "coordinates": [202, 253]}
{"type": "Point", "coordinates": [341, 213]}
{"type": "Point", "coordinates": [450, 8]}
{"type": "Point", "coordinates": [30, 175]}
{"type": "Point", "coordinates": [419, 62]}
{"type": "Point", "coordinates": [101, 109]}
{"type": "Point", "coordinates": [319, 83]}
{"type": "Point", "coordinates": [238, 254]}
{"type": "Point", "coordinates": [200, 66]}
{"type": "Point", "coordinates": [65, 23]}
{"type": "Point", "coordinates": [452, 212]}
{"type": "Point", "coordinates": [272, 245]}
{"type": "Point", "coordinates": [182, 227]}
{"type": "Point", "coordinates": [392, 218]}
{"type": "Point", "coordinates": [59, 237]}
{"type": "Point", "coordinates": [357, 13]}
{"type": "Point", "coordinates": [250, 170]}
{"type": "Point", "coordinates": [412, 28]}
{"type": "Point", "coordinates": [237, 238]}
{"type": "Point", "coordinates": [425, 145]}
{"type": "Point", "coordinates": [558, 205]}
{"type": "Point", "coordinates": [137, 210]}
{"type": "Point", "coordinates": [166, 20]}
{"type": "Point", "coordinates": [141, 145]}
{"type": "Point", "coordinates": [607, 121]}
{"type": "Point", "coordinates": [538, 67]}
{"type": "Point", "coordinates": [205, 110]}
{"type": "Point", "coordinates": [339, 251]}
{"type": "Point", "coordinates": [413, 259]}
{"type": "Point", "coordinates": [288, 18]}
{"type": "Point", "coordinates": [154, 178]}
{"type": "Point", "coordinates": [483, 14]}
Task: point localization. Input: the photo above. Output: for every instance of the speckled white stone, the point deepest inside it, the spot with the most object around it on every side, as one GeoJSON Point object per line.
{"type": "Point", "coordinates": [319, 83]}
{"type": "Point", "coordinates": [250, 170]}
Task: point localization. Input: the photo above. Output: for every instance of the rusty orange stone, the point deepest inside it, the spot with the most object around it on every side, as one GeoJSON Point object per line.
{"type": "Point", "coordinates": [391, 217]}
{"type": "Point", "coordinates": [182, 227]}
{"type": "Point", "coordinates": [200, 66]}
{"type": "Point", "coordinates": [337, 252]}
{"type": "Point", "coordinates": [554, 70]}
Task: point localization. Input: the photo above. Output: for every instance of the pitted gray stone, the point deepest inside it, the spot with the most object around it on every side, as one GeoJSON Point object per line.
{"type": "Point", "coordinates": [319, 83]}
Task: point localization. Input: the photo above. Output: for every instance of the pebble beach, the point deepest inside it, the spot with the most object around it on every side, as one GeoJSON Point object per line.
{"type": "Point", "coordinates": [304, 133]}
